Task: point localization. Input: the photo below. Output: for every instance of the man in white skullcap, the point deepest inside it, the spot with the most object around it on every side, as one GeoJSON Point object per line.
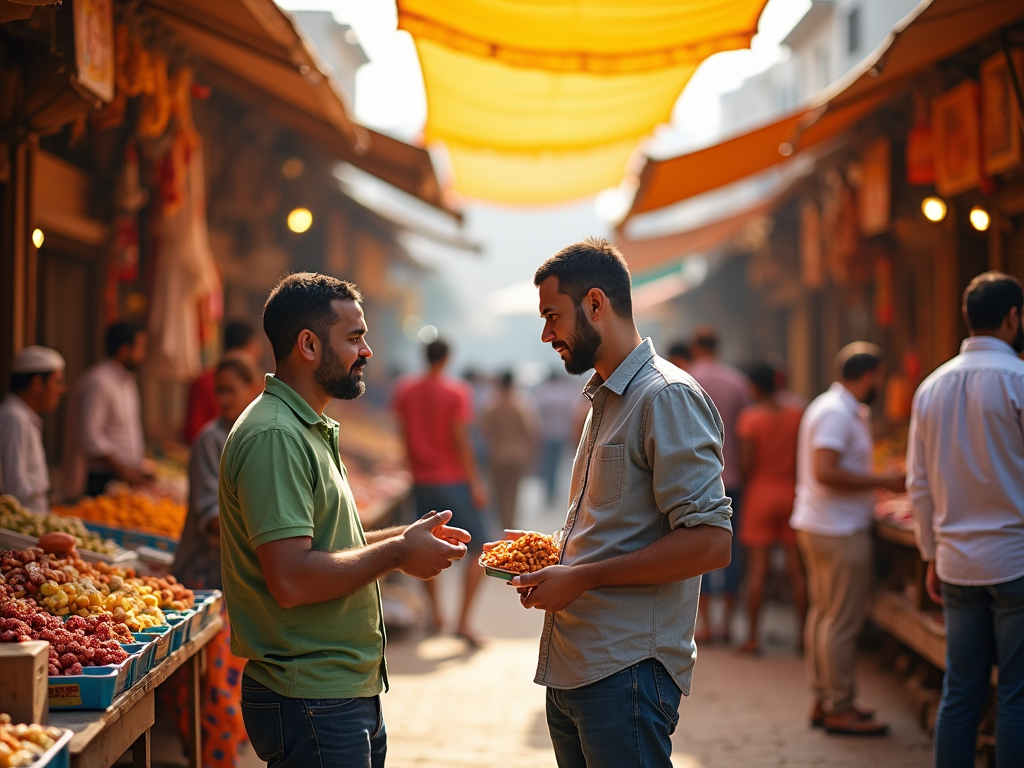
{"type": "Point", "coordinates": [36, 386]}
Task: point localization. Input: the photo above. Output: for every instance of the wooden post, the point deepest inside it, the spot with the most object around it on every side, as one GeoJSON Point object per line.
{"type": "Point", "coordinates": [195, 735]}
{"type": "Point", "coordinates": [141, 752]}
{"type": "Point", "coordinates": [17, 258]}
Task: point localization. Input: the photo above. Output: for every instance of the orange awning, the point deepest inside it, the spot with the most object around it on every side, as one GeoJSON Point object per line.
{"type": "Point", "coordinates": [253, 49]}
{"type": "Point", "coordinates": [545, 100]}
{"type": "Point", "coordinates": [933, 32]}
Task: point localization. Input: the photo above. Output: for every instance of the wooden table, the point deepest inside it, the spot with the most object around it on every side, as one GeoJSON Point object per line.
{"type": "Point", "coordinates": [102, 737]}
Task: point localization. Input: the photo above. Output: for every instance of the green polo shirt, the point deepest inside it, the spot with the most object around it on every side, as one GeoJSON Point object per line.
{"type": "Point", "coordinates": [281, 476]}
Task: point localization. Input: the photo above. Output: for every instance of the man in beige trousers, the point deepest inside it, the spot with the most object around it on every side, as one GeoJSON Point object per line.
{"type": "Point", "coordinates": [832, 519]}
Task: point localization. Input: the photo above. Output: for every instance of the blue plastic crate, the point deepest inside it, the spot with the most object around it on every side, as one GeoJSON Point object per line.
{"type": "Point", "coordinates": [145, 652]}
{"type": "Point", "coordinates": [131, 539]}
{"type": "Point", "coordinates": [189, 617]}
{"type": "Point", "coordinates": [57, 756]}
{"type": "Point", "coordinates": [178, 626]}
{"type": "Point", "coordinates": [162, 636]}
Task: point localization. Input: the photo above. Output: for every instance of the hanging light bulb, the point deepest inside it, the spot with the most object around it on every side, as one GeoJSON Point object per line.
{"type": "Point", "coordinates": [38, 237]}
{"type": "Point", "coordinates": [934, 208]}
{"type": "Point", "coordinates": [980, 219]}
{"type": "Point", "coordinates": [299, 220]}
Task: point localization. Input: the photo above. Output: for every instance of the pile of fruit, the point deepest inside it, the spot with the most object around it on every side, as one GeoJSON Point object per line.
{"type": "Point", "coordinates": [529, 553]}
{"type": "Point", "coordinates": [15, 517]}
{"type": "Point", "coordinates": [78, 642]}
{"type": "Point", "coordinates": [132, 510]}
{"type": "Point", "coordinates": [67, 585]}
{"type": "Point", "coordinates": [22, 745]}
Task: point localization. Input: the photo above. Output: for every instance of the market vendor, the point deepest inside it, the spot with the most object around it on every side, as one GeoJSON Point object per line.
{"type": "Point", "coordinates": [106, 432]}
{"type": "Point", "coordinates": [37, 385]}
{"type": "Point", "coordinates": [300, 574]}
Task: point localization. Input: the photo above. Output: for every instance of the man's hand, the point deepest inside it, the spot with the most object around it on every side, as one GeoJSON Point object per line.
{"type": "Point", "coordinates": [932, 585]}
{"type": "Point", "coordinates": [509, 536]}
{"type": "Point", "coordinates": [550, 589]}
{"type": "Point", "coordinates": [451, 534]}
{"type": "Point", "coordinates": [427, 553]}
{"type": "Point", "coordinates": [895, 482]}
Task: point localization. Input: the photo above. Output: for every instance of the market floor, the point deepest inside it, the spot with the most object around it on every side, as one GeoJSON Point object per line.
{"type": "Point", "coordinates": [452, 706]}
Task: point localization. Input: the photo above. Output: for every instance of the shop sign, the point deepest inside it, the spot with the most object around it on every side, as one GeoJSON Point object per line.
{"type": "Point", "coordinates": [94, 46]}
{"type": "Point", "coordinates": [1001, 126]}
{"type": "Point", "coordinates": [920, 154]}
{"type": "Point", "coordinates": [957, 136]}
{"type": "Point", "coordinates": [875, 191]}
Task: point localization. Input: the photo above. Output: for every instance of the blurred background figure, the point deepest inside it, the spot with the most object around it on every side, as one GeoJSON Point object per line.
{"type": "Point", "coordinates": [105, 440]}
{"type": "Point", "coordinates": [680, 356]}
{"type": "Point", "coordinates": [729, 389]}
{"type": "Point", "coordinates": [509, 425]}
{"type": "Point", "coordinates": [36, 387]}
{"type": "Point", "coordinates": [480, 387]}
{"type": "Point", "coordinates": [555, 399]}
{"type": "Point", "coordinates": [237, 382]}
{"type": "Point", "coordinates": [240, 338]}
{"type": "Point", "coordinates": [435, 412]}
{"type": "Point", "coordinates": [767, 434]}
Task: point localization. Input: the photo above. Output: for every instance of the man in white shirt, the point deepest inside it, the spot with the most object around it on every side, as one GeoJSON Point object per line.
{"type": "Point", "coordinates": [832, 518]}
{"type": "Point", "coordinates": [37, 384]}
{"type": "Point", "coordinates": [108, 415]}
{"type": "Point", "coordinates": [965, 463]}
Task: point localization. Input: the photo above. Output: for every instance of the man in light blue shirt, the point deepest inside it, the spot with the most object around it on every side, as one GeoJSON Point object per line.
{"type": "Point", "coordinates": [965, 475]}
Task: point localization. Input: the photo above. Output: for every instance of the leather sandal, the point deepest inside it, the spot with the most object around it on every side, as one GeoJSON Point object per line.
{"type": "Point", "coordinates": [852, 723]}
{"type": "Point", "coordinates": [817, 717]}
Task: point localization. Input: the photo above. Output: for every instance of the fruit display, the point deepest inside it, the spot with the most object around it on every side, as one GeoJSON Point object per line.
{"type": "Point", "coordinates": [22, 745]}
{"type": "Point", "coordinates": [15, 517]}
{"type": "Point", "coordinates": [79, 642]}
{"type": "Point", "coordinates": [133, 510]}
{"type": "Point", "coordinates": [529, 553]}
{"type": "Point", "coordinates": [68, 586]}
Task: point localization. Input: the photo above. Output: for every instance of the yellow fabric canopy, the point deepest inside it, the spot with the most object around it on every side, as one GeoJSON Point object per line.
{"type": "Point", "coordinates": [545, 100]}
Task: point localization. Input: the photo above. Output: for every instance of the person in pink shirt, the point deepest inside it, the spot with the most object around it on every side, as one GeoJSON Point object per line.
{"type": "Point", "coordinates": [729, 390]}
{"type": "Point", "coordinates": [435, 412]}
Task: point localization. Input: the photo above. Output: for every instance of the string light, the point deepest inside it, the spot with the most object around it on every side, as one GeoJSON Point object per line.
{"type": "Point", "coordinates": [38, 237]}
{"type": "Point", "coordinates": [934, 208]}
{"type": "Point", "coordinates": [980, 219]}
{"type": "Point", "coordinates": [299, 220]}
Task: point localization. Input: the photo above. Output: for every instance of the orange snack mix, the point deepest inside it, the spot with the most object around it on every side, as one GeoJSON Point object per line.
{"type": "Point", "coordinates": [135, 511]}
{"type": "Point", "coordinates": [529, 553]}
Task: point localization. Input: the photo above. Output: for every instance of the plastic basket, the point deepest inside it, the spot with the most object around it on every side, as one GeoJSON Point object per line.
{"type": "Point", "coordinates": [95, 688]}
{"type": "Point", "coordinates": [57, 756]}
{"type": "Point", "coordinates": [131, 539]}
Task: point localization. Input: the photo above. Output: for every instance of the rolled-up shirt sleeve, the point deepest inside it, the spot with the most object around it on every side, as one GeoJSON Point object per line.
{"type": "Point", "coordinates": [683, 442]}
{"type": "Point", "coordinates": [922, 505]}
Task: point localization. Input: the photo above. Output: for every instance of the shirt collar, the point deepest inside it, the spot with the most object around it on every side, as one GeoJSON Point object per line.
{"type": "Point", "coordinates": [118, 370]}
{"type": "Point", "coordinates": [274, 386]}
{"type": "Point", "coordinates": [845, 396]}
{"type": "Point", "coordinates": [26, 411]}
{"type": "Point", "coordinates": [986, 344]}
{"type": "Point", "coordinates": [624, 374]}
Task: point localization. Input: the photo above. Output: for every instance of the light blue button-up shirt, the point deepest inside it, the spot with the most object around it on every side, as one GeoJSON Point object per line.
{"type": "Point", "coordinates": [650, 461]}
{"type": "Point", "coordinates": [965, 464]}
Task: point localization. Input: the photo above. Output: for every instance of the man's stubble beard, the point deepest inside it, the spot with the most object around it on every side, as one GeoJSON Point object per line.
{"type": "Point", "coordinates": [583, 345]}
{"type": "Point", "coordinates": [334, 380]}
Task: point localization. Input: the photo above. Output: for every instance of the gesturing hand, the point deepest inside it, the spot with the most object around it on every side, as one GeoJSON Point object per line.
{"type": "Point", "coordinates": [427, 553]}
{"type": "Point", "coordinates": [450, 533]}
{"type": "Point", "coordinates": [510, 535]}
{"type": "Point", "coordinates": [550, 589]}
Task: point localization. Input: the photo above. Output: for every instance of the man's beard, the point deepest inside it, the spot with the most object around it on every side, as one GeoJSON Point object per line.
{"type": "Point", "coordinates": [1018, 340]}
{"type": "Point", "coordinates": [870, 396]}
{"type": "Point", "coordinates": [335, 381]}
{"type": "Point", "coordinates": [582, 346]}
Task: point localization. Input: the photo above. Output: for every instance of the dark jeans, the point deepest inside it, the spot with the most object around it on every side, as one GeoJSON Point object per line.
{"type": "Point", "coordinates": [622, 721]}
{"type": "Point", "coordinates": [96, 482]}
{"type": "Point", "coordinates": [313, 733]}
{"type": "Point", "coordinates": [550, 462]}
{"type": "Point", "coordinates": [984, 625]}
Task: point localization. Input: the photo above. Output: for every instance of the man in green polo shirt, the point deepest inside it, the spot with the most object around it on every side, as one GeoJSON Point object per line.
{"type": "Point", "coordinates": [300, 574]}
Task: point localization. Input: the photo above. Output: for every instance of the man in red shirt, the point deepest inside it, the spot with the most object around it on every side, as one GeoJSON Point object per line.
{"type": "Point", "coordinates": [435, 412]}
{"type": "Point", "coordinates": [202, 408]}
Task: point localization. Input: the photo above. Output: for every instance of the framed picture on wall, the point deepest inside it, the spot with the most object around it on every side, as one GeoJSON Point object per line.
{"type": "Point", "coordinates": [94, 46]}
{"type": "Point", "coordinates": [956, 132]}
{"type": "Point", "coordinates": [1000, 116]}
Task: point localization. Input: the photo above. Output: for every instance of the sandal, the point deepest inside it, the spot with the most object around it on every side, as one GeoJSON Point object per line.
{"type": "Point", "coordinates": [817, 717]}
{"type": "Point", "coordinates": [852, 723]}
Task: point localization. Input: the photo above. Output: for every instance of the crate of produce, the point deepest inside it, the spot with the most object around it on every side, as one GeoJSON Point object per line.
{"type": "Point", "coordinates": [209, 603]}
{"type": "Point", "coordinates": [161, 641]}
{"type": "Point", "coordinates": [145, 654]}
{"type": "Point", "coordinates": [178, 626]}
{"type": "Point", "coordinates": [132, 539]}
{"type": "Point", "coordinates": [189, 618]}
{"type": "Point", "coordinates": [47, 746]}
{"type": "Point", "coordinates": [21, 528]}
{"type": "Point", "coordinates": [95, 688]}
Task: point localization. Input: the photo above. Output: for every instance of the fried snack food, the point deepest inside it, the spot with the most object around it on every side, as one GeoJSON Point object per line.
{"type": "Point", "coordinates": [22, 745]}
{"type": "Point", "coordinates": [529, 553]}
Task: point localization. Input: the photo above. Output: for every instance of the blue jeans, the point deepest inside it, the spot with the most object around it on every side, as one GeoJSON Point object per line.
{"type": "Point", "coordinates": [313, 733]}
{"type": "Point", "coordinates": [984, 625]}
{"type": "Point", "coordinates": [550, 462]}
{"type": "Point", "coordinates": [623, 721]}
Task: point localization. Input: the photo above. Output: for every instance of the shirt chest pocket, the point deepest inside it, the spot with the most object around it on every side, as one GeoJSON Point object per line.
{"type": "Point", "coordinates": [606, 469]}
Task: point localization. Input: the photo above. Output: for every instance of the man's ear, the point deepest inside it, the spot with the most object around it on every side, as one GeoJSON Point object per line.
{"type": "Point", "coordinates": [308, 345]}
{"type": "Point", "coordinates": [595, 303]}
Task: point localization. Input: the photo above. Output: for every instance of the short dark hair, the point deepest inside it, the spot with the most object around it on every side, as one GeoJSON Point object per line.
{"type": "Point", "coordinates": [303, 301]}
{"type": "Point", "coordinates": [764, 377]}
{"type": "Point", "coordinates": [706, 338]}
{"type": "Point", "coordinates": [238, 366]}
{"type": "Point", "coordinates": [593, 262]}
{"type": "Point", "coordinates": [989, 298]}
{"type": "Point", "coordinates": [680, 349]}
{"type": "Point", "coordinates": [120, 334]}
{"type": "Point", "coordinates": [22, 381]}
{"type": "Point", "coordinates": [437, 351]}
{"type": "Point", "coordinates": [238, 334]}
{"type": "Point", "coordinates": [856, 359]}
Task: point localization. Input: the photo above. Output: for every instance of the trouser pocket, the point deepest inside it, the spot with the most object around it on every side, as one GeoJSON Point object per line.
{"type": "Point", "coordinates": [668, 694]}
